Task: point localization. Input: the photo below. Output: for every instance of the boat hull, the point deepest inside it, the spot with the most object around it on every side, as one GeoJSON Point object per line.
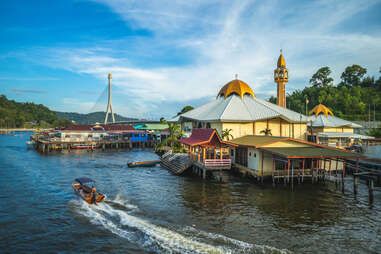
{"type": "Point", "coordinates": [142, 164]}
{"type": "Point", "coordinates": [87, 195]}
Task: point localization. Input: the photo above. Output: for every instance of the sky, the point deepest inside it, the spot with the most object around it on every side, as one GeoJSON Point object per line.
{"type": "Point", "coordinates": [165, 54]}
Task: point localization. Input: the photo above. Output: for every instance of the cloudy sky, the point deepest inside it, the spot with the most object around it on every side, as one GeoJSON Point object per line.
{"type": "Point", "coordinates": [165, 54]}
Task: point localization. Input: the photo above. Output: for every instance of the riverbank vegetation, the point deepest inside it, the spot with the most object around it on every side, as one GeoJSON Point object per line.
{"type": "Point", "coordinates": [352, 98]}
{"type": "Point", "coordinates": [28, 115]}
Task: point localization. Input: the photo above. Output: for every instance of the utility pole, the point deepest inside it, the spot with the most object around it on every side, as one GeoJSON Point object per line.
{"type": "Point", "coordinates": [109, 106]}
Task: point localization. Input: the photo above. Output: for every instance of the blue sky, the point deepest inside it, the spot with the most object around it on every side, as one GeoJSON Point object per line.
{"type": "Point", "coordinates": [167, 54]}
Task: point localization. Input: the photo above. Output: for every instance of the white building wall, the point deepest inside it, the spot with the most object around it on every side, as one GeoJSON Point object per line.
{"type": "Point", "coordinates": [253, 159]}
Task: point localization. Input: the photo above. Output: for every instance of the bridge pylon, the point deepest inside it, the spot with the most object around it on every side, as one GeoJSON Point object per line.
{"type": "Point", "coordinates": [109, 105]}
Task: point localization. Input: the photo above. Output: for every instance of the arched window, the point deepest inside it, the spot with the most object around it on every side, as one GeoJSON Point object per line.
{"type": "Point", "coordinates": [208, 125]}
{"type": "Point", "coordinates": [199, 125]}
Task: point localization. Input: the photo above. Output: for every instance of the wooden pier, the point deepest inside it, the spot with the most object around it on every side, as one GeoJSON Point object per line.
{"type": "Point", "coordinates": [46, 146]}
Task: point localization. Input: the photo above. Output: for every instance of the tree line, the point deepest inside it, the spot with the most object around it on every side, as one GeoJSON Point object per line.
{"type": "Point", "coordinates": [28, 115]}
{"type": "Point", "coordinates": [351, 98]}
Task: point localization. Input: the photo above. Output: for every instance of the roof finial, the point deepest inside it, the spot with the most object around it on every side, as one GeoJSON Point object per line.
{"type": "Point", "coordinates": [281, 51]}
{"type": "Point", "coordinates": [236, 76]}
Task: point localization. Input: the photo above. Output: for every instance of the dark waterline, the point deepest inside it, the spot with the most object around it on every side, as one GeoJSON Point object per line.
{"type": "Point", "coordinates": [148, 210]}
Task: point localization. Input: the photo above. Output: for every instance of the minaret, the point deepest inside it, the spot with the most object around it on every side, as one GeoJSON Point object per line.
{"type": "Point", "coordinates": [281, 78]}
{"type": "Point", "coordinates": [109, 106]}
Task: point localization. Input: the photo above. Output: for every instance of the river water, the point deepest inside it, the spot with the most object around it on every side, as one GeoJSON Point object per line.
{"type": "Point", "coordinates": [148, 210]}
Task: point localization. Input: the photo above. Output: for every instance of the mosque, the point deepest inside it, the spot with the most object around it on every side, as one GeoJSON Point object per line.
{"type": "Point", "coordinates": [266, 139]}
{"type": "Point", "coordinates": [236, 108]}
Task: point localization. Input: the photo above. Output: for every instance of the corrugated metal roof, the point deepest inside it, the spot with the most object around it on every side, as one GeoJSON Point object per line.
{"type": "Point", "coordinates": [233, 108]}
{"type": "Point", "coordinates": [330, 121]}
{"type": "Point", "coordinates": [152, 126]}
{"type": "Point", "coordinates": [309, 152]}
{"type": "Point", "coordinates": [254, 140]}
{"type": "Point", "coordinates": [343, 135]}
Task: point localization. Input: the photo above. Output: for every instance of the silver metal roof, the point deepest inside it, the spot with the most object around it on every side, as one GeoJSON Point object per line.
{"type": "Point", "coordinates": [235, 109]}
{"type": "Point", "coordinates": [343, 135]}
{"type": "Point", "coordinates": [330, 121]}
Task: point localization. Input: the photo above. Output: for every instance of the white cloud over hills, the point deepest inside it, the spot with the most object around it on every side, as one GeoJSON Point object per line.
{"type": "Point", "coordinates": [214, 40]}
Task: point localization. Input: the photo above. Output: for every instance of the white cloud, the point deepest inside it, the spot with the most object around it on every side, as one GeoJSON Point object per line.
{"type": "Point", "coordinates": [223, 38]}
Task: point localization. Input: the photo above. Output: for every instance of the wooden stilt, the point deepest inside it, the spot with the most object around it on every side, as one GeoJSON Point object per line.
{"type": "Point", "coordinates": [273, 171]}
{"type": "Point", "coordinates": [304, 160]}
{"type": "Point", "coordinates": [342, 177]}
{"type": "Point", "coordinates": [288, 170]}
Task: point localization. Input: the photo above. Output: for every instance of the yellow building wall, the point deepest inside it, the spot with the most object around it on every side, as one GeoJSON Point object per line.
{"type": "Point", "coordinates": [332, 129]}
{"type": "Point", "coordinates": [217, 126]}
{"type": "Point", "coordinates": [292, 130]}
{"type": "Point", "coordinates": [239, 129]}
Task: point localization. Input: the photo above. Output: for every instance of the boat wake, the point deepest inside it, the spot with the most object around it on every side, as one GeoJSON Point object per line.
{"type": "Point", "coordinates": [162, 238]}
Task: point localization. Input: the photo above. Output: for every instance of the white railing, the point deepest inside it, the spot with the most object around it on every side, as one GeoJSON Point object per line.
{"type": "Point", "coordinates": [217, 162]}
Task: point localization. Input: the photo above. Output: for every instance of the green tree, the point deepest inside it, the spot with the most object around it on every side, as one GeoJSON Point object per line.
{"type": "Point", "coordinates": [185, 109]}
{"type": "Point", "coordinates": [175, 133]}
{"type": "Point", "coordinates": [375, 132]}
{"type": "Point", "coordinates": [352, 76]}
{"type": "Point", "coordinates": [226, 134]}
{"type": "Point", "coordinates": [162, 120]}
{"type": "Point", "coordinates": [321, 77]}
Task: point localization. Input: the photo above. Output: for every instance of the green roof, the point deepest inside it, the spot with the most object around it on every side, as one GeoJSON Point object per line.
{"type": "Point", "coordinates": [253, 140]}
{"type": "Point", "coordinates": [153, 126]}
{"type": "Point", "coordinates": [309, 152]}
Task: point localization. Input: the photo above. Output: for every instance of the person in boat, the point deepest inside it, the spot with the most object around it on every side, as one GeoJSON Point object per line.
{"type": "Point", "coordinates": [93, 195]}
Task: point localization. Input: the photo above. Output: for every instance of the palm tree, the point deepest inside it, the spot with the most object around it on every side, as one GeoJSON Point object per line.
{"type": "Point", "coordinates": [226, 134]}
{"type": "Point", "coordinates": [175, 133]}
{"type": "Point", "coordinates": [267, 132]}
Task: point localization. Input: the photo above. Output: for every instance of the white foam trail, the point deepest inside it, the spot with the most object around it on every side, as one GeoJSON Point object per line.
{"type": "Point", "coordinates": [164, 239]}
{"type": "Point", "coordinates": [243, 246]}
{"type": "Point", "coordinates": [123, 202]}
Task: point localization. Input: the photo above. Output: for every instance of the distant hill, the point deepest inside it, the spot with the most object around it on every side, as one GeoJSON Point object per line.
{"type": "Point", "coordinates": [26, 114]}
{"type": "Point", "coordinates": [90, 117]}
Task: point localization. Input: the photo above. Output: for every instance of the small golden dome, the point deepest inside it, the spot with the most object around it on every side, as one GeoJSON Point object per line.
{"type": "Point", "coordinates": [318, 109]}
{"type": "Point", "coordinates": [281, 62]}
{"type": "Point", "coordinates": [236, 86]}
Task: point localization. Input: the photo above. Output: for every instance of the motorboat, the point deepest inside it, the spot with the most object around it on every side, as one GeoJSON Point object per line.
{"type": "Point", "coordinates": [89, 194]}
{"type": "Point", "coordinates": [142, 164]}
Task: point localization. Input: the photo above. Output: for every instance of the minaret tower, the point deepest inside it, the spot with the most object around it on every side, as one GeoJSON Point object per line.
{"type": "Point", "coordinates": [281, 78]}
{"type": "Point", "coordinates": [109, 106]}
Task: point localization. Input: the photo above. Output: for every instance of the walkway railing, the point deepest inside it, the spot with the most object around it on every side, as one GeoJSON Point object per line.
{"type": "Point", "coordinates": [217, 162]}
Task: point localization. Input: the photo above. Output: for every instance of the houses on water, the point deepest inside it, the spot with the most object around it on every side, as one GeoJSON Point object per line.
{"type": "Point", "coordinates": [266, 140]}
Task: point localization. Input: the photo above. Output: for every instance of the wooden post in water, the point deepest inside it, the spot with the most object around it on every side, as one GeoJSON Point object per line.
{"type": "Point", "coordinates": [288, 170]}
{"type": "Point", "coordinates": [337, 162]}
{"type": "Point", "coordinates": [284, 172]}
{"type": "Point", "coordinates": [355, 178]}
{"type": "Point", "coordinates": [263, 155]}
{"type": "Point", "coordinates": [273, 172]}
{"type": "Point", "coordinates": [371, 188]}
{"type": "Point", "coordinates": [342, 177]}
{"type": "Point", "coordinates": [304, 160]}
{"type": "Point", "coordinates": [292, 177]}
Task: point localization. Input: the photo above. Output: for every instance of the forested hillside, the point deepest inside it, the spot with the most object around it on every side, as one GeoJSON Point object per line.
{"type": "Point", "coordinates": [18, 115]}
{"type": "Point", "coordinates": [351, 99]}
{"type": "Point", "coordinates": [91, 117]}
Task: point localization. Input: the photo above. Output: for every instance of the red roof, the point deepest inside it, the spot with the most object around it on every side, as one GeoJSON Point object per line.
{"type": "Point", "coordinates": [203, 137]}
{"type": "Point", "coordinates": [100, 127]}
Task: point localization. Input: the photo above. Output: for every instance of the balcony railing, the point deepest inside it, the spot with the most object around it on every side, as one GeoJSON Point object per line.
{"type": "Point", "coordinates": [217, 163]}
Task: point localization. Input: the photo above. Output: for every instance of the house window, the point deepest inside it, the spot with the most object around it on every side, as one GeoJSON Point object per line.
{"type": "Point", "coordinates": [208, 125]}
{"type": "Point", "coordinates": [255, 155]}
{"type": "Point", "coordinates": [231, 152]}
{"type": "Point", "coordinates": [250, 154]}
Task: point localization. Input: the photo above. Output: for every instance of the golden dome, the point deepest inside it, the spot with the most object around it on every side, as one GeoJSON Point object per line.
{"type": "Point", "coordinates": [318, 109]}
{"type": "Point", "coordinates": [236, 86]}
{"type": "Point", "coordinates": [281, 62]}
